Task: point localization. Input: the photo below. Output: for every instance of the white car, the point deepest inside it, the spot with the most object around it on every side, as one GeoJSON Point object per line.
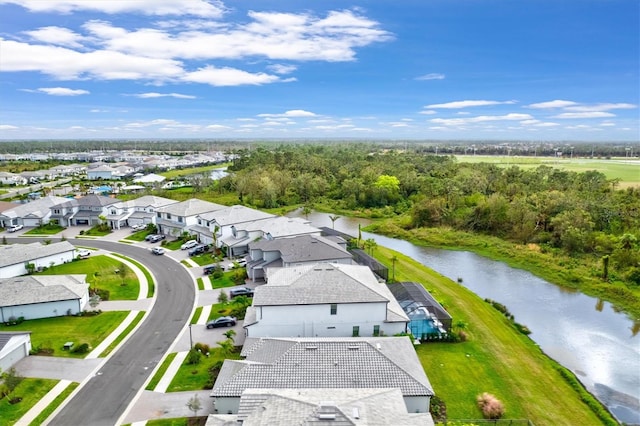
{"type": "Point", "coordinates": [189, 245]}
{"type": "Point", "coordinates": [14, 228]}
{"type": "Point", "coordinates": [138, 227]}
{"type": "Point", "coordinates": [84, 253]}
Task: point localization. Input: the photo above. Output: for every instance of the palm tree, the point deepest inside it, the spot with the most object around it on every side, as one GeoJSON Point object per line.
{"type": "Point", "coordinates": [333, 220]}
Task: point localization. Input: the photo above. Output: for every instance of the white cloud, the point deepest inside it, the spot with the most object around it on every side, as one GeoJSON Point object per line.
{"type": "Point", "coordinates": [228, 77]}
{"type": "Point", "coordinates": [480, 119]}
{"type": "Point", "coordinates": [61, 91]}
{"type": "Point", "coordinates": [56, 35]}
{"type": "Point", "coordinates": [607, 124]}
{"type": "Point", "coordinates": [428, 112]}
{"type": "Point", "coordinates": [205, 8]}
{"type": "Point", "coordinates": [431, 76]}
{"type": "Point", "coordinates": [600, 107]}
{"type": "Point", "coordinates": [282, 69]}
{"type": "Point", "coordinates": [594, 114]}
{"type": "Point", "coordinates": [552, 104]}
{"type": "Point", "coordinates": [7, 127]}
{"type": "Point", "coordinates": [162, 95]}
{"type": "Point", "coordinates": [291, 113]}
{"type": "Point", "coordinates": [217, 127]}
{"type": "Point", "coordinates": [466, 104]}
{"type": "Point", "coordinates": [157, 122]}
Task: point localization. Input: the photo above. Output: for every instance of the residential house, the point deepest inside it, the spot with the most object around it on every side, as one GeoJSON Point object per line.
{"type": "Point", "coordinates": [34, 176]}
{"type": "Point", "coordinates": [31, 214]}
{"type": "Point", "coordinates": [295, 251]}
{"type": "Point", "coordinates": [7, 178]}
{"type": "Point", "coordinates": [82, 211]}
{"type": "Point", "coordinates": [42, 296]}
{"type": "Point", "coordinates": [149, 179]}
{"type": "Point", "coordinates": [237, 243]}
{"type": "Point", "coordinates": [174, 219]}
{"type": "Point", "coordinates": [14, 346]}
{"type": "Point", "coordinates": [338, 363]}
{"type": "Point", "coordinates": [15, 257]}
{"type": "Point", "coordinates": [349, 406]}
{"type": "Point", "coordinates": [137, 211]}
{"type": "Point", "coordinates": [324, 300]}
{"type": "Point", "coordinates": [103, 172]}
{"type": "Point", "coordinates": [426, 315]}
{"type": "Point", "coordinates": [212, 226]}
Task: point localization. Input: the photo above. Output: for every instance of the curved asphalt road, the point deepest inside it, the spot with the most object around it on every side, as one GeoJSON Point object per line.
{"type": "Point", "coordinates": [106, 396]}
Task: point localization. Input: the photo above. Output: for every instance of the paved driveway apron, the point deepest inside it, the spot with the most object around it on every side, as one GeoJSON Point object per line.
{"type": "Point", "coordinates": [105, 397]}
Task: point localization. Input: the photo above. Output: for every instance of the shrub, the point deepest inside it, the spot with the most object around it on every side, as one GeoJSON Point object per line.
{"type": "Point", "coordinates": [202, 348]}
{"type": "Point", "coordinates": [81, 349]}
{"type": "Point", "coordinates": [217, 274]}
{"type": "Point", "coordinates": [490, 406]}
{"type": "Point", "coordinates": [194, 357]}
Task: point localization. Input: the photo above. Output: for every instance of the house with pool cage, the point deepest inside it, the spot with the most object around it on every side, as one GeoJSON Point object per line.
{"type": "Point", "coordinates": [426, 315]}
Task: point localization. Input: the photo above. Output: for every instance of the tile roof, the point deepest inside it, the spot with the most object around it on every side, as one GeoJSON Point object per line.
{"type": "Point", "coordinates": [149, 200]}
{"type": "Point", "coordinates": [19, 253]}
{"type": "Point", "coordinates": [190, 207]}
{"type": "Point", "coordinates": [235, 214]}
{"type": "Point", "coordinates": [37, 208]}
{"type": "Point", "coordinates": [303, 248]}
{"type": "Point", "coordinates": [280, 226]}
{"type": "Point", "coordinates": [31, 289]}
{"type": "Point", "coordinates": [385, 362]}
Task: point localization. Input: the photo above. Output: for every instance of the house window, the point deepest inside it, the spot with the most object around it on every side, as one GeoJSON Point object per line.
{"type": "Point", "coordinates": [334, 308]}
{"type": "Point", "coordinates": [168, 216]}
{"type": "Point", "coordinates": [159, 215]}
{"type": "Point", "coordinates": [356, 331]}
{"type": "Point", "coordinates": [56, 211]}
{"type": "Point", "coordinates": [113, 211]}
{"type": "Point", "coordinates": [376, 330]}
{"type": "Point", "coordinates": [180, 219]}
{"type": "Point", "coordinates": [199, 222]}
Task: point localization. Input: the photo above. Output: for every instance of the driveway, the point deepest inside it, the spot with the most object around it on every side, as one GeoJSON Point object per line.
{"type": "Point", "coordinates": [49, 367]}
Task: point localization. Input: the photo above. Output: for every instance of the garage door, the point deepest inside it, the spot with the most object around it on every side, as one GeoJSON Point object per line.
{"type": "Point", "coordinates": [82, 221]}
{"type": "Point", "coordinates": [12, 357]}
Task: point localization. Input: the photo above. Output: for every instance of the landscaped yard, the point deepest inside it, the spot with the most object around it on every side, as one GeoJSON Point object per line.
{"type": "Point", "coordinates": [228, 279]}
{"type": "Point", "coordinates": [138, 236]}
{"type": "Point", "coordinates": [235, 307]}
{"type": "Point", "coordinates": [205, 259]}
{"type": "Point", "coordinates": [196, 376]}
{"type": "Point", "coordinates": [496, 358]}
{"type": "Point", "coordinates": [98, 230]}
{"type": "Point", "coordinates": [54, 332]}
{"type": "Point", "coordinates": [47, 229]}
{"type": "Point", "coordinates": [101, 274]}
{"type": "Point", "coordinates": [31, 391]}
{"type": "Point", "coordinates": [173, 245]}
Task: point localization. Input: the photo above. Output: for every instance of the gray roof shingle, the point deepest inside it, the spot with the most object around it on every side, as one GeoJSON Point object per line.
{"type": "Point", "coordinates": [20, 253]}
{"type": "Point", "coordinates": [303, 248]}
{"type": "Point", "coordinates": [190, 207]}
{"type": "Point", "coordinates": [41, 288]}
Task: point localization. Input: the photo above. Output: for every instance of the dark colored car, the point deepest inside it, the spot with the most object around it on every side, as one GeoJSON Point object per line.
{"type": "Point", "coordinates": [155, 238]}
{"type": "Point", "coordinates": [210, 269]}
{"type": "Point", "coordinates": [222, 322]}
{"type": "Point", "coordinates": [198, 250]}
{"type": "Point", "coordinates": [242, 291]}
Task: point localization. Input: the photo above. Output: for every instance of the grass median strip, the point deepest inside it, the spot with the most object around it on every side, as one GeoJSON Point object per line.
{"type": "Point", "coordinates": [196, 315]}
{"type": "Point", "coordinates": [144, 270]}
{"type": "Point", "coordinates": [122, 335]}
{"type": "Point", "coordinates": [54, 404]}
{"type": "Point", "coordinates": [185, 263]}
{"type": "Point", "coordinates": [200, 283]}
{"type": "Point", "coordinates": [163, 368]}
{"type": "Point", "coordinates": [31, 391]}
{"type": "Point", "coordinates": [191, 377]}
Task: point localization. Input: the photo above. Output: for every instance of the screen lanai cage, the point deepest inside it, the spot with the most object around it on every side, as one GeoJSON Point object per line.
{"type": "Point", "coordinates": [425, 314]}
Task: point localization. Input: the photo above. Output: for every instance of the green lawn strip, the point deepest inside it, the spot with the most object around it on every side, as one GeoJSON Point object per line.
{"type": "Point", "coordinates": [185, 263]}
{"type": "Point", "coordinates": [177, 421]}
{"type": "Point", "coordinates": [200, 282]}
{"type": "Point", "coordinates": [138, 236]}
{"type": "Point", "coordinates": [226, 280]}
{"type": "Point", "coordinates": [145, 271]}
{"type": "Point", "coordinates": [173, 245]}
{"type": "Point", "coordinates": [55, 332]}
{"type": "Point", "coordinates": [122, 335]}
{"type": "Point", "coordinates": [100, 271]}
{"type": "Point", "coordinates": [172, 174]}
{"type": "Point", "coordinates": [582, 273]}
{"type": "Point", "coordinates": [220, 310]}
{"type": "Point", "coordinates": [196, 377]}
{"type": "Point", "coordinates": [205, 259]}
{"type": "Point", "coordinates": [54, 404]}
{"type": "Point", "coordinates": [48, 229]}
{"type": "Point", "coordinates": [160, 372]}
{"type": "Point", "coordinates": [196, 315]}
{"type": "Point", "coordinates": [496, 358]}
{"type": "Point", "coordinates": [31, 391]}
{"type": "Point", "coordinates": [126, 242]}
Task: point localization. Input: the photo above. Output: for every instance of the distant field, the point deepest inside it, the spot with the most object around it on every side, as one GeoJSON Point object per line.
{"type": "Point", "coordinates": [628, 171]}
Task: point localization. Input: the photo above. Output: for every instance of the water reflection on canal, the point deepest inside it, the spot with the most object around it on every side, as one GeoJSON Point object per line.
{"type": "Point", "coordinates": [601, 346]}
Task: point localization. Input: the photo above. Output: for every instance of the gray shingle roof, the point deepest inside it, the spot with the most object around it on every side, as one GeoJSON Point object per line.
{"type": "Point", "coordinates": [41, 288]}
{"type": "Point", "coordinates": [281, 226]}
{"type": "Point", "coordinates": [5, 336]}
{"type": "Point", "coordinates": [190, 207]}
{"type": "Point", "coordinates": [37, 208]}
{"type": "Point", "coordinates": [20, 253]}
{"type": "Point", "coordinates": [303, 248]}
{"type": "Point", "coordinates": [386, 362]}
{"type": "Point", "coordinates": [235, 214]}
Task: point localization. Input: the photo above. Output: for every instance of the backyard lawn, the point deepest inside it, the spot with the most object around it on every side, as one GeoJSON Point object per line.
{"type": "Point", "coordinates": [31, 391]}
{"type": "Point", "coordinates": [196, 376]}
{"type": "Point", "coordinates": [54, 332]}
{"type": "Point", "coordinates": [101, 274]}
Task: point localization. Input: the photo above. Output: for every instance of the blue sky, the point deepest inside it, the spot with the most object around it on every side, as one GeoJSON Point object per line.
{"type": "Point", "coordinates": [386, 69]}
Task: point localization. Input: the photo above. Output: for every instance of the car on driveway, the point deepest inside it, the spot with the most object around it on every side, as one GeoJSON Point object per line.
{"type": "Point", "coordinates": [189, 245]}
{"type": "Point", "coordinates": [242, 291]}
{"type": "Point", "coordinates": [138, 227]}
{"type": "Point", "coordinates": [222, 322]}
{"type": "Point", "coordinates": [159, 251]}
{"type": "Point", "coordinates": [156, 237]}
{"type": "Point", "coordinates": [14, 228]}
{"type": "Point", "coordinates": [210, 269]}
{"type": "Point", "coordinates": [198, 250]}
{"type": "Point", "coordinates": [240, 263]}
{"type": "Point", "coordinates": [82, 253]}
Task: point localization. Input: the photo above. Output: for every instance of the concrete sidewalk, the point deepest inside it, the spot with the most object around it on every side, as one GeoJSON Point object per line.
{"type": "Point", "coordinates": [154, 405]}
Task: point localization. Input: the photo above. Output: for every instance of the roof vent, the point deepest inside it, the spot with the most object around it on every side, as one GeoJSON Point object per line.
{"type": "Point", "coordinates": [353, 347]}
{"type": "Point", "coordinates": [378, 347]}
{"type": "Point", "coordinates": [356, 413]}
{"type": "Point", "coordinates": [327, 411]}
{"type": "Point", "coordinates": [311, 347]}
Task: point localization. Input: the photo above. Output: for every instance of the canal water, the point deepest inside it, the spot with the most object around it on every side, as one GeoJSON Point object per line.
{"type": "Point", "coordinates": [586, 335]}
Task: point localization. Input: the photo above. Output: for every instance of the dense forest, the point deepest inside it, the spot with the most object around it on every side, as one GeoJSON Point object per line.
{"type": "Point", "coordinates": [576, 214]}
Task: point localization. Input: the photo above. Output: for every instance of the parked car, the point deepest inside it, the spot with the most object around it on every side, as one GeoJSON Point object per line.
{"type": "Point", "coordinates": [138, 227]}
{"type": "Point", "coordinates": [189, 244]}
{"type": "Point", "coordinates": [84, 253]}
{"type": "Point", "coordinates": [242, 291]}
{"type": "Point", "coordinates": [222, 322]}
{"type": "Point", "coordinates": [149, 237]}
{"type": "Point", "coordinates": [198, 250]}
{"type": "Point", "coordinates": [14, 228]}
{"type": "Point", "coordinates": [158, 251]}
{"type": "Point", "coordinates": [240, 263]}
{"type": "Point", "coordinates": [156, 237]}
{"type": "Point", "coordinates": [210, 269]}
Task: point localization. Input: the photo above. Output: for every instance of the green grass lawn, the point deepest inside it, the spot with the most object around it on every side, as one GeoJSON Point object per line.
{"type": "Point", "coordinates": [97, 232]}
{"type": "Point", "coordinates": [200, 282]}
{"type": "Point", "coordinates": [205, 259]}
{"type": "Point", "coordinates": [150, 283]}
{"type": "Point", "coordinates": [196, 315]}
{"type": "Point", "coordinates": [138, 236]}
{"type": "Point", "coordinates": [173, 245]}
{"type": "Point", "coordinates": [177, 421]}
{"type": "Point", "coordinates": [227, 280]}
{"type": "Point", "coordinates": [55, 332]}
{"type": "Point", "coordinates": [496, 358]}
{"type": "Point", "coordinates": [195, 377]}
{"type": "Point", "coordinates": [172, 174]}
{"type": "Point", "coordinates": [54, 404]}
{"type": "Point", "coordinates": [160, 372]}
{"type": "Point", "coordinates": [100, 271]}
{"type": "Point", "coordinates": [31, 391]}
{"type": "Point", "coordinates": [48, 229]}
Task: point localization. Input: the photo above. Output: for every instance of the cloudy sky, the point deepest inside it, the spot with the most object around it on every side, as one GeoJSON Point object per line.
{"type": "Point", "coordinates": [389, 69]}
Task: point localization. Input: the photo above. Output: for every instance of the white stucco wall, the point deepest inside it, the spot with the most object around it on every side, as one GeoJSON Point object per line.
{"type": "Point", "coordinates": [227, 405]}
{"type": "Point", "coordinates": [317, 321]}
{"type": "Point", "coordinates": [417, 404]}
{"type": "Point", "coordinates": [19, 268]}
{"type": "Point", "coordinates": [16, 348]}
{"type": "Point", "coordinates": [41, 310]}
